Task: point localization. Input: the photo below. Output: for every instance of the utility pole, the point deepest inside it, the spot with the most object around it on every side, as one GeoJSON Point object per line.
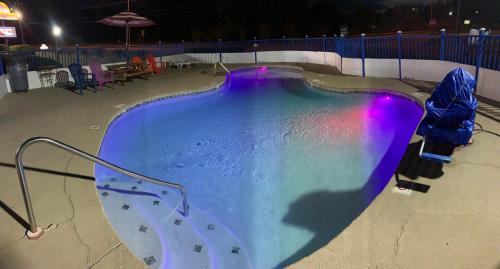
{"type": "Point", "coordinates": [431, 11]}
{"type": "Point", "coordinates": [6, 38]}
{"type": "Point", "coordinates": [458, 17]}
{"type": "Point", "coordinates": [20, 22]}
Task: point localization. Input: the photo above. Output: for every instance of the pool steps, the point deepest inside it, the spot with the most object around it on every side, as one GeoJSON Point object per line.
{"type": "Point", "coordinates": [173, 241]}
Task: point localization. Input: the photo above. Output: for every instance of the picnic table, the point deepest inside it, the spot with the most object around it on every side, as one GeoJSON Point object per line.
{"type": "Point", "coordinates": [124, 72]}
{"type": "Point", "coordinates": [119, 71]}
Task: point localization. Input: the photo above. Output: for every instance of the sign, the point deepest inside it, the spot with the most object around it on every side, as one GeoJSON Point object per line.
{"type": "Point", "coordinates": [344, 30]}
{"type": "Point", "coordinates": [7, 32]}
{"type": "Point", "coordinates": [432, 22]}
{"type": "Point", "coordinates": [6, 13]}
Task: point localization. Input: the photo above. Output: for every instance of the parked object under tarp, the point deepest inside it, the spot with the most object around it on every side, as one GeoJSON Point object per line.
{"type": "Point", "coordinates": [451, 110]}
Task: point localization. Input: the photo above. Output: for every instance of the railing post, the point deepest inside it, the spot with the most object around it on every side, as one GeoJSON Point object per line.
{"type": "Point", "coordinates": [341, 52]}
{"type": "Point", "coordinates": [307, 45]}
{"type": "Point", "coordinates": [480, 50]}
{"type": "Point", "coordinates": [284, 42]}
{"type": "Point", "coordinates": [220, 50]}
{"type": "Point", "coordinates": [77, 54]}
{"type": "Point", "coordinates": [255, 48]}
{"type": "Point", "coordinates": [363, 38]}
{"type": "Point", "coordinates": [442, 44]}
{"type": "Point", "coordinates": [400, 52]}
{"type": "Point", "coordinates": [324, 43]}
{"type": "Point", "coordinates": [2, 72]}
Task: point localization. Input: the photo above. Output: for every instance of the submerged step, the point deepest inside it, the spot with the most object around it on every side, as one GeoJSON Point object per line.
{"type": "Point", "coordinates": [147, 219]}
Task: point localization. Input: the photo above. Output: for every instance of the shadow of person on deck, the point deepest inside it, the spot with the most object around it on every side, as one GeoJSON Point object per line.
{"type": "Point", "coordinates": [324, 213]}
{"type": "Point", "coordinates": [327, 214]}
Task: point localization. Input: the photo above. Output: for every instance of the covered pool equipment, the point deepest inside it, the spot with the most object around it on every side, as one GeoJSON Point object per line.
{"type": "Point", "coordinates": [273, 169]}
{"type": "Point", "coordinates": [451, 111]}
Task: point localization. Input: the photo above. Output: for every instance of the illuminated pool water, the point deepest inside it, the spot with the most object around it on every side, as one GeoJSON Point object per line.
{"type": "Point", "coordinates": [282, 167]}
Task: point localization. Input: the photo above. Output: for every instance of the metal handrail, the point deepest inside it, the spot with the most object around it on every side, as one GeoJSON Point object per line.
{"type": "Point", "coordinates": [223, 67]}
{"type": "Point", "coordinates": [35, 232]}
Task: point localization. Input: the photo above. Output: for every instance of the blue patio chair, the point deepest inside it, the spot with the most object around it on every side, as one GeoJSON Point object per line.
{"type": "Point", "coordinates": [82, 79]}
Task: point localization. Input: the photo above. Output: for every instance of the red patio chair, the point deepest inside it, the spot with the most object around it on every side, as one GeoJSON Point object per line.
{"type": "Point", "coordinates": [153, 65]}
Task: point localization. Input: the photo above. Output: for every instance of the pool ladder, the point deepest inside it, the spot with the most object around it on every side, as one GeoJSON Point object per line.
{"type": "Point", "coordinates": [36, 232]}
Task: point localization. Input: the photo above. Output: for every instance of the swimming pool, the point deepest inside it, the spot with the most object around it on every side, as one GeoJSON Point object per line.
{"type": "Point", "coordinates": [273, 168]}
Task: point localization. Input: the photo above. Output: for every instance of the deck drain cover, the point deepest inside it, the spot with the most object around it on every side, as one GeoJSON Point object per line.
{"type": "Point", "coordinates": [125, 206]}
{"type": "Point", "coordinates": [197, 248]}
{"type": "Point", "coordinates": [149, 260]}
{"type": "Point", "coordinates": [235, 250]}
{"type": "Point", "coordinates": [156, 202]}
{"type": "Point", "coordinates": [177, 222]}
{"type": "Point", "coordinates": [143, 228]}
{"type": "Point", "coordinates": [164, 192]}
{"type": "Point", "coordinates": [211, 227]}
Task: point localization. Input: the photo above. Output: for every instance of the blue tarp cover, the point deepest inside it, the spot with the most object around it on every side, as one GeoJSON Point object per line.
{"type": "Point", "coordinates": [451, 110]}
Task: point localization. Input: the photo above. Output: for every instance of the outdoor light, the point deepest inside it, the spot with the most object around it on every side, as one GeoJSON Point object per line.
{"type": "Point", "coordinates": [477, 12]}
{"type": "Point", "coordinates": [466, 22]}
{"type": "Point", "coordinates": [450, 13]}
{"type": "Point", "coordinates": [56, 31]}
{"type": "Point", "coordinates": [19, 15]}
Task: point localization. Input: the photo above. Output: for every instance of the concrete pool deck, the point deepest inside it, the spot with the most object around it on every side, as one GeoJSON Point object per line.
{"type": "Point", "coordinates": [454, 225]}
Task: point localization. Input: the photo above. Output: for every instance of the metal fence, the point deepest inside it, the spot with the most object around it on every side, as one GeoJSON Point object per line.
{"type": "Point", "coordinates": [480, 51]}
{"type": "Point", "coordinates": [58, 58]}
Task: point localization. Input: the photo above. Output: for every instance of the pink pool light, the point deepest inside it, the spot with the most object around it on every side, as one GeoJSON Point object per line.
{"type": "Point", "coordinates": [262, 69]}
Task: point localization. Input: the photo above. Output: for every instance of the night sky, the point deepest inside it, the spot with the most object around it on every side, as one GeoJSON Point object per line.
{"type": "Point", "coordinates": [201, 20]}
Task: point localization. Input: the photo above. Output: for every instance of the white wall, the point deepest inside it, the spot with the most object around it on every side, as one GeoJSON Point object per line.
{"type": "Point", "coordinates": [315, 57]}
{"type": "Point", "coordinates": [3, 86]}
{"type": "Point", "coordinates": [489, 84]}
{"type": "Point", "coordinates": [238, 58]}
{"type": "Point", "coordinates": [382, 68]}
{"type": "Point", "coordinates": [351, 67]}
{"type": "Point", "coordinates": [328, 58]}
{"type": "Point", "coordinates": [430, 70]}
{"type": "Point", "coordinates": [206, 58]}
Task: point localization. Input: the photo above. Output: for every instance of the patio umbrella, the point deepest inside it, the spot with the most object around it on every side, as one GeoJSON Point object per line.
{"type": "Point", "coordinates": [127, 19]}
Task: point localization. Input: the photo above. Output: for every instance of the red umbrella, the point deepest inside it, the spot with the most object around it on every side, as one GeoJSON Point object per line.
{"type": "Point", "coordinates": [127, 19]}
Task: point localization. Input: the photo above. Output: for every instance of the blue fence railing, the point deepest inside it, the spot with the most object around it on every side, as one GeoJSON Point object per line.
{"type": "Point", "coordinates": [480, 51]}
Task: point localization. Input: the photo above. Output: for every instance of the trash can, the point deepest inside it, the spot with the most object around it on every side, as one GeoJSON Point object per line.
{"type": "Point", "coordinates": [18, 75]}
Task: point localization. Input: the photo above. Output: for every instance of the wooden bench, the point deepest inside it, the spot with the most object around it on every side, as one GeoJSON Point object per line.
{"type": "Point", "coordinates": [135, 73]}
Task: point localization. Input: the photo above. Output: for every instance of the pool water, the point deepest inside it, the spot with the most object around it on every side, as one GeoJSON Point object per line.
{"type": "Point", "coordinates": [282, 166]}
